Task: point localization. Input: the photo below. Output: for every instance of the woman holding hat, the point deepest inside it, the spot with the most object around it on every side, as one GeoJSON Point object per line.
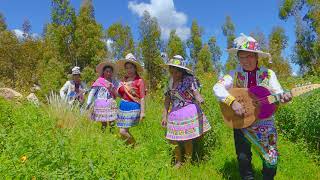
{"type": "Point", "coordinates": [132, 92]}
{"type": "Point", "coordinates": [103, 95]}
{"type": "Point", "coordinates": [73, 90]}
{"type": "Point", "coordinates": [185, 121]}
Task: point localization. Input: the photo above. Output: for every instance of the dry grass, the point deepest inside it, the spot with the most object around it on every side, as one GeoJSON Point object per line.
{"type": "Point", "coordinates": [66, 115]}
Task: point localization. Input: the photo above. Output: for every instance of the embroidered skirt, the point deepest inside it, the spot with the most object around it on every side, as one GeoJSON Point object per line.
{"type": "Point", "coordinates": [104, 110]}
{"type": "Point", "coordinates": [186, 123]}
{"type": "Point", "coordinates": [263, 136]}
{"type": "Point", "coordinates": [129, 114]}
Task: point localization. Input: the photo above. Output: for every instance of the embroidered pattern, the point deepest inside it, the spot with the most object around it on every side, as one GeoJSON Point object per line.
{"type": "Point", "coordinates": [262, 134]}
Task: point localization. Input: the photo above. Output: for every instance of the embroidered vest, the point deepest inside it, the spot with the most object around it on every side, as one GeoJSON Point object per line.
{"type": "Point", "coordinates": [241, 78]}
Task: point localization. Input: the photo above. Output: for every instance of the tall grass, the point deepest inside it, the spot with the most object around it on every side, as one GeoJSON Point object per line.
{"type": "Point", "coordinates": [66, 115]}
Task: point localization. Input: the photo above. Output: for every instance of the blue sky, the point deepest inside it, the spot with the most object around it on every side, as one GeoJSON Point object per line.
{"type": "Point", "coordinates": [247, 15]}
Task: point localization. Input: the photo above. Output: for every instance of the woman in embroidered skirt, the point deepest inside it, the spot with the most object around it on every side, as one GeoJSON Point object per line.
{"type": "Point", "coordinates": [185, 121]}
{"type": "Point", "coordinates": [132, 92]}
{"type": "Point", "coordinates": [103, 95]}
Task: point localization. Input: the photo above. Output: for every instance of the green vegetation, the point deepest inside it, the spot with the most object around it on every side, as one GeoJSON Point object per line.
{"type": "Point", "coordinates": [54, 142]}
{"type": "Point", "coordinates": [60, 143]}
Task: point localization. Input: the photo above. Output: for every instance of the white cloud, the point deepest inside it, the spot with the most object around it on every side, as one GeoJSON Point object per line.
{"type": "Point", "coordinates": [109, 43]}
{"type": "Point", "coordinates": [294, 73]}
{"type": "Point", "coordinates": [166, 14]}
{"type": "Point", "coordinates": [19, 34]}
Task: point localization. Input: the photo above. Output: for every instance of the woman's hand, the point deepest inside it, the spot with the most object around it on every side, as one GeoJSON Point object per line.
{"type": "Point", "coordinates": [164, 122]}
{"type": "Point", "coordinates": [142, 116]}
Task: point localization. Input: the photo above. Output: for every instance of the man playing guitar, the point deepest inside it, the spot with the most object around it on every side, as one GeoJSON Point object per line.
{"type": "Point", "coordinates": [262, 134]}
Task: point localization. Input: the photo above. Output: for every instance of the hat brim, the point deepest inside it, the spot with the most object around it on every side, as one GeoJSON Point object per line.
{"type": "Point", "coordinates": [121, 63]}
{"type": "Point", "coordinates": [260, 53]}
{"type": "Point", "coordinates": [181, 67]}
{"type": "Point", "coordinates": [100, 67]}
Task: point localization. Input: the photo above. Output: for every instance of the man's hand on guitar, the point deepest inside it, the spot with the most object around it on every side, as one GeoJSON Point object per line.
{"type": "Point", "coordinates": [237, 108]}
{"type": "Point", "coordinates": [286, 97]}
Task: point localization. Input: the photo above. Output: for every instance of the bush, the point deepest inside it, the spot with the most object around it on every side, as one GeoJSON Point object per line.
{"type": "Point", "coordinates": [301, 120]}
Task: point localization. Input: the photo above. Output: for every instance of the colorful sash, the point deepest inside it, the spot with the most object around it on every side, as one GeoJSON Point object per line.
{"type": "Point", "coordinates": [131, 92]}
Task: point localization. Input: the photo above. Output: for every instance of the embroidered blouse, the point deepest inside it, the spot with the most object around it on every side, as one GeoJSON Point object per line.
{"type": "Point", "coordinates": [182, 95]}
{"type": "Point", "coordinates": [99, 90]}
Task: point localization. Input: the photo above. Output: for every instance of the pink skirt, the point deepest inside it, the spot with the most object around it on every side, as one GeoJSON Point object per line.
{"type": "Point", "coordinates": [104, 110]}
{"type": "Point", "coordinates": [186, 123]}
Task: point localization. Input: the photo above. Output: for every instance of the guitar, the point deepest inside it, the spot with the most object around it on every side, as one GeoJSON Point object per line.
{"type": "Point", "coordinates": [258, 103]}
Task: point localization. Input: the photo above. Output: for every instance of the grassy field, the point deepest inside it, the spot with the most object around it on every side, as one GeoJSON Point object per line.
{"type": "Point", "coordinates": [52, 143]}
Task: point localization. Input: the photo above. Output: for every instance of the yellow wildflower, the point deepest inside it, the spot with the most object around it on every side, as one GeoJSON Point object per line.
{"type": "Point", "coordinates": [23, 158]}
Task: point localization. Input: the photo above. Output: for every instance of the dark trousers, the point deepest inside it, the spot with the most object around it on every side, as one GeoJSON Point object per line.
{"type": "Point", "coordinates": [244, 156]}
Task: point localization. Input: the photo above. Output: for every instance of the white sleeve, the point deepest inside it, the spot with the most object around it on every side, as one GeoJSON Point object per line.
{"type": "Point", "coordinates": [64, 90]}
{"type": "Point", "coordinates": [91, 95]}
{"type": "Point", "coordinates": [220, 89]}
{"type": "Point", "coordinates": [274, 83]}
{"type": "Point", "coordinates": [84, 86]}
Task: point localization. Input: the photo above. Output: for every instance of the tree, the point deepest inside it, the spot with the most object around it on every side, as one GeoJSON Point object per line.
{"type": "Point", "coordinates": [10, 59]}
{"type": "Point", "coordinates": [195, 42]}
{"type": "Point", "coordinates": [26, 28]}
{"type": "Point", "coordinates": [3, 25]}
{"type": "Point", "coordinates": [228, 30]}
{"type": "Point", "coordinates": [89, 5]}
{"type": "Point", "coordinates": [58, 48]}
{"type": "Point", "coordinates": [122, 40]}
{"type": "Point", "coordinates": [62, 14]}
{"type": "Point", "coordinates": [309, 10]}
{"type": "Point", "coordinates": [175, 45]}
{"type": "Point", "coordinates": [215, 54]}
{"type": "Point", "coordinates": [278, 41]}
{"type": "Point", "coordinates": [88, 43]}
{"type": "Point", "coordinates": [150, 44]}
{"type": "Point", "coordinates": [303, 54]}
{"type": "Point", "coordinates": [19, 59]}
{"type": "Point", "coordinates": [60, 33]}
{"type": "Point", "coordinates": [204, 60]}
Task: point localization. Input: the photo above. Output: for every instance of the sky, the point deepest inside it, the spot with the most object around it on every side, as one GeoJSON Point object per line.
{"type": "Point", "coordinates": [247, 15]}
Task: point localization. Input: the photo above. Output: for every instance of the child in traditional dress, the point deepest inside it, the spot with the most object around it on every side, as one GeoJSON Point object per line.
{"type": "Point", "coordinates": [185, 122]}
{"type": "Point", "coordinates": [132, 92]}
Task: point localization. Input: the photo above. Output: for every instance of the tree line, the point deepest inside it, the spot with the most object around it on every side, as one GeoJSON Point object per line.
{"type": "Point", "coordinates": [76, 38]}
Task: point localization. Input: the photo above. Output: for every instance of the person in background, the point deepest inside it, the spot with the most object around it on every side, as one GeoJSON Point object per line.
{"type": "Point", "coordinates": [74, 90]}
{"type": "Point", "coordinates": [185, 122]}
{"type": "Point", "coordinates": [103, 94]}
{"type": "Point", "coordinates": [132, 92]}
{"type": "Point", "coordinates": [262, 135]}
